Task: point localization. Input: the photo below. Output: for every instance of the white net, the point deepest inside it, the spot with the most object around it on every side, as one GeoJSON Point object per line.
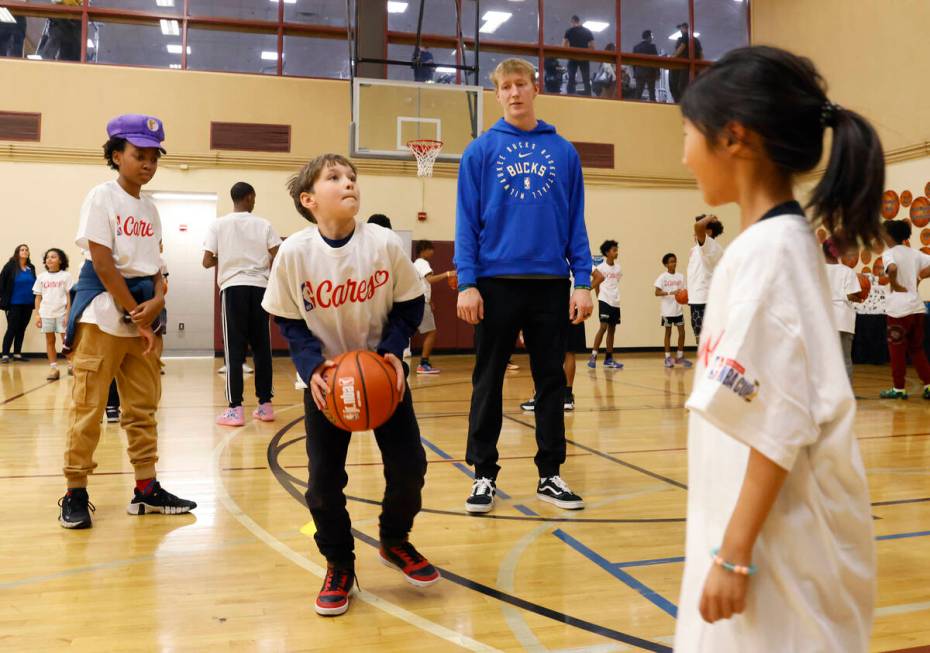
{"type": "Point", "coordinates": [426, 151]}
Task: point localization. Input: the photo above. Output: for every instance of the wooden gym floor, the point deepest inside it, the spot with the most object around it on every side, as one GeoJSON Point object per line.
{"type": "Point", "coordinates": [241, 572]}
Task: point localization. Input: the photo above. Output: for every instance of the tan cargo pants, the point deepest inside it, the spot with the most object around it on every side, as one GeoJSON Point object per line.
{"type": "Point", "coordinates": [98, 358]}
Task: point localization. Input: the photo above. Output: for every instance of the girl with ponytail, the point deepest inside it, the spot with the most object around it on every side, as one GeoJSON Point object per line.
{"type": "Point", "coordinates": [779, 537]}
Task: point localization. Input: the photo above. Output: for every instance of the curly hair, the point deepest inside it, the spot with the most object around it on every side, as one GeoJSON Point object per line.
{"type": "Point", "coordinates": [61, 257]}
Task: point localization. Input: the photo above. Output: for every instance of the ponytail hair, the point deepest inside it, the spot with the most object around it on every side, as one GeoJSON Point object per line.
{"type": "Point", "coordinates": [783, 98]}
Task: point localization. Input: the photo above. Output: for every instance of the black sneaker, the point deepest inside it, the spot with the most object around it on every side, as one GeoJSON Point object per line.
{"type": "Point", "coordinates": [75, 509]}
{"type": "Point", "coordinates": [529, 405]}
{"type": "Point", "coordinates": [416, 569]}
{"type": "Point", "coordinates": [158, 500]}
{"type": "Point", "coordinates": [569, 403]}
{"type": "Point", "coordinates": [482, 494]}
{"type": "Point", "coordinates": [112, 414]}
{"type": "Point", "coordinates": [333, 598]}
{"type": "Point", "coordinates": [555, 491]}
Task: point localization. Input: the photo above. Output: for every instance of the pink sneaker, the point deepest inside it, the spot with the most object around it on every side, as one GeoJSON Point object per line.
{"type": "Point", "coordinates": [264, 412]}
{"type": "Point", "coordinates": [232, 417]}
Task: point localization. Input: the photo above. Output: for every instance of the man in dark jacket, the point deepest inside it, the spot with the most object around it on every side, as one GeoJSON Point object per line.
{"type": "Point", "coordinates": [645, 76]}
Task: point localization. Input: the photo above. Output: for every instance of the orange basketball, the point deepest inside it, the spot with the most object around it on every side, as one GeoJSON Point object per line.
{"type": "Point", "coordinates": [866, 269]}
{"type": "Point", "coordinates": [865, 257]}
{"type": "Point", "coordinates": [906, 198]}
{"type": "Point", "coordinates": [920, 212]}
{"type": "Point", "coordinates": [682, 296]}
{"type": "Point", "coordinates": [821, 235]}
{"type": "Point", "coordinates": [890, 204]}
{"type": "Point", "coordinates": [925, 236]}
{"type": "Point", "coordinates": [851, 260]}
{"type": "Point", "coordinates": [925, 250]}
{"type": "Point", "coordinates": [883, 280]}
{"type": "Point", "coordinates": [361, 391]}
{"type": "Point", "coordinates": [453, 280]}
{"type": "Point", "coordinates": [866, 287]}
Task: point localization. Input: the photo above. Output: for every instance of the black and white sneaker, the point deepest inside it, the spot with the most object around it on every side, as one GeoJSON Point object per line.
{"type": "Point", "coordinates": [75, 509]}
{"type": "Point", "coordinates": [555, 491]}
{"type": "Point", "coordinates": [482, 494]}
{"type": "Point", "coordinates": [529, 405]}
{"type": "Point", "coordinates": [569, 402]}
{"type": "Point", "coordinates": [158, 500]}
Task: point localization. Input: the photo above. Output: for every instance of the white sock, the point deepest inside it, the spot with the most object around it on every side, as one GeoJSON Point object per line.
{"type": "Point", "coordinates": [54, 364]}
{"type": "Point", "coordinates": [668, 354]}
{"type": "Point", "coordinates": [681, 353]}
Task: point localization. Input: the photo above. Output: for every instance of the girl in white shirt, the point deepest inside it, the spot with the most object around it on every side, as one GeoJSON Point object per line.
{"type": "Point", "coordinates": [779, 553]}
{"type": "Point", "coordinates": [844, 289]}
{"type": "Point", "coordinates": [53, 301]}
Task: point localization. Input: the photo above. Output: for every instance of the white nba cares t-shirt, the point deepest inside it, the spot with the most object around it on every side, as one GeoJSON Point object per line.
{"type": "Point", "coordinates": [609, 290]}
{"type": "Point", "coordinates": [344, 294]}
{"type": "Point", "coordinates": [424, 269]}
{"type": "Point", "coordinates": [241, 244]}
{"type": "Point", "coordinates": [910, 263]}
{"type": "Point", "coordinates": [702, 261]}
{"type": "Point", "coordinates": [770, 376]}
{"type": "Point", "coordinates": [669, 306]}
{"type": "Point", "coordinates": [843, 282]}
{"type": "Point", "coordinates": [54, 288]}
{"type": "Point", "coordinates": [131, 228]}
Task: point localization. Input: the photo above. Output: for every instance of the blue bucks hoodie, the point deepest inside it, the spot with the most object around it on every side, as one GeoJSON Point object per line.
{"type": "Point", "coordinates": [520, 209]}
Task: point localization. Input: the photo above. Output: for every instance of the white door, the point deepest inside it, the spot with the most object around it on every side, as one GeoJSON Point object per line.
{"type": "Point", "coordinates": [184, 219]}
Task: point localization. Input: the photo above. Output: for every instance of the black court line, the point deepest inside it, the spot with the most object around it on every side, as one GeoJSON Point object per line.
{"type": "Point", "coordinates": [606, 456]}
{"type": "Point", "coordinates": [282, 477]}
{"type": "Point", "coordinates": [24, 393]}
{"type": "Point", "coordinates": [281, 472]}
{"type": "Point", "coordinates": [898, 502]}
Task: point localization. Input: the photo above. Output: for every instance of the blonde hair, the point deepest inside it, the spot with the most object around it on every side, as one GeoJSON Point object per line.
{"type": "Point", "coordinates": [303, 181]}
{"type": "Point", "coordinates": [512, 66]}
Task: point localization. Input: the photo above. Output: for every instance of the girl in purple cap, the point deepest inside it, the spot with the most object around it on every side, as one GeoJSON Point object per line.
{"type": "Point", "coordinates": [113, 322]}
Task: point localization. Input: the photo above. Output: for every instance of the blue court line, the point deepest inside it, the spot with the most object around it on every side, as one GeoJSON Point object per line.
{"type": "Point", "coordinates": [646, 563]}
{"type": "Point", "coordinates": [459, 466]}
{"type": "Point", "coordinates": [526, 510]}
{"type": "Point", "coordinates": [648, 593]}
{"type": "Point", "coordinates": [899, 536]}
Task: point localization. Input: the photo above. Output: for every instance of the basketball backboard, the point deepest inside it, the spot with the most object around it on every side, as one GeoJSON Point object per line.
{"type": "Point", "coordinates": [386, 114]}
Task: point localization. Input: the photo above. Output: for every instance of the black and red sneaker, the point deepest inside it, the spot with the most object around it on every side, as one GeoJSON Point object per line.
{"type": "Point", "coordinates": [333, 598]}
{"type": "Point", "coordinates": [415, 568]}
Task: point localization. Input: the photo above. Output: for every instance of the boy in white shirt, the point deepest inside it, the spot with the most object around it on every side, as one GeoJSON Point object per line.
{"type": "Point", "coordinates": [844, 289]}
{"type": "Point", "coordinates": [606, 284]}
{"type": "Point", "coordinates": [666, 285]}
{"type": "Point", "coordinates": [425, 251]}
{"type": "Point", "coordinates": [338, 286]}
{"type": "Point", "coordinates": [242, 247]}
{"type": "Point", "coordinates": [118, 297]}
{"type": "Point", "coordinates": [904, 309]}
{"type": "Point", "coordinates": [704, 257]}
{"type": "Point", "coordinates": [53, 301]}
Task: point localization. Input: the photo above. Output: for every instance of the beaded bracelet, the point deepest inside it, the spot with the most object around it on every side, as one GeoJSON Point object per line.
{"type": "Point", "coordinates": [729, 566]}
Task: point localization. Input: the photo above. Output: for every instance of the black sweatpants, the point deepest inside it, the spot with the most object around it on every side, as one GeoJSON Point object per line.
{"type": "Point", "coordinates": [245, 324]}
{"type": "Point", "coordinates": [404, 473]}
{"type": "Point", "coordinates": [538, 307]}
{"type": "Point", "coordinates": [17, 321]}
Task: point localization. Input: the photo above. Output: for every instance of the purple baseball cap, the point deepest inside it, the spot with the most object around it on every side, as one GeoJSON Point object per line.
{"type": "Point", "coordinates": [141, 131]}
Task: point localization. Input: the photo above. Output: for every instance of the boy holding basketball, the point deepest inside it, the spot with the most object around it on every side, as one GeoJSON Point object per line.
{"type": "Point", "coordinates": [338, 286]}
{"type": "Point", "coordinates": [667, 284]}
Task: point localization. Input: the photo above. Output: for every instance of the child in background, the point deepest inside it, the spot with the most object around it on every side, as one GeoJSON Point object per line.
{"type": "Point", "coordinates": [606, 284]}
{"type": "Point", "coordinates": [844, 289]}
{"type": "Point", "coordinates": [666, 285]}
{"type": "Point", "coordinates": [53, 301]}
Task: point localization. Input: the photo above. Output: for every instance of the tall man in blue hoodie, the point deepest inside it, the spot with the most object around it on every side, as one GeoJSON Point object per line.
{"type": "Point", "coordinates": [519, 232]}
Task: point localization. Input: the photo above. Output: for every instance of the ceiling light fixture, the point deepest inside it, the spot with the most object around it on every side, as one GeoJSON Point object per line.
{"type": "Point", "coordinates": [596, 25]}
{"type": "Point", "coordinates": [170, 27]}
{"type": "Point", "coordinates": [6, 16]}
{"type": "Point", "coordinates": [164, 3]}
{"type": "Point", "coordinates": [677, 35]}
{"type": "Point", "coordinates": [175, 48]}
{"type": "Point", "coordinates": [396, 7]}
{"type": "Point", "coordinates": [493, 20]}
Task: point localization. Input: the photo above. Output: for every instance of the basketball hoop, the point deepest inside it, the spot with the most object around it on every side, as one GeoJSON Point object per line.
{"type": "Point", "coordinates": [426, 151]}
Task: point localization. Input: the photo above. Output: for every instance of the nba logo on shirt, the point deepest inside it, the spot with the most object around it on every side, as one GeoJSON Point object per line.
{"type": "Point", "coordinates": [307, 296]}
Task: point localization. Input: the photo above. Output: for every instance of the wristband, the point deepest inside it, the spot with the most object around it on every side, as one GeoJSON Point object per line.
{"type": "Point", "coordinates": [729, 566]}
{"type": "Point", "coordinates": [467, 286]}
{"type": "Point", "coordinates": [582, 287]}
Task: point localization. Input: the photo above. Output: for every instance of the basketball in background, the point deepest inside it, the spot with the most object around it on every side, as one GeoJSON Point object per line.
{"type": "Point", "coordinates": [361, 391]}
{"type": "Point", "coordinates": [682, 296]}
{"type": "Point", "coordinates": [866, 287]}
